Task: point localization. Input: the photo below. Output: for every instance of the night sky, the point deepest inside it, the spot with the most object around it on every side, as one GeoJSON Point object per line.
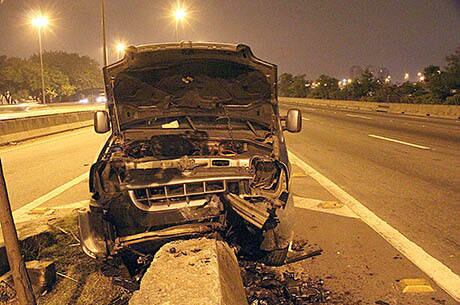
{"type": "Point", "coordinates": [302, 37]}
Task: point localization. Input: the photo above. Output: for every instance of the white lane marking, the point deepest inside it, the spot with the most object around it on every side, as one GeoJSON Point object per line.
{"type": "Point", "coordinates": [398, 141]}
{"type": "Point", "coordinates": [305, 119]}
{"type": "Point", "coordinates": [315, 205]}
{"type": "Point", "coordinates": [359, 116]}
{"type": "Point", "coordinates": [46, 140]}
{"type": "Point", "coordinates": [440, 273]}
{"type": "Point", "coordinates": [22, 211]}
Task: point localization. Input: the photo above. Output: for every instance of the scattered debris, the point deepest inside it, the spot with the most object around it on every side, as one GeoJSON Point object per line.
{"type": "Point", "coordinates": [380, 302]}
{"type": "Point", "coordinates": [66, 277]}
{"type": "Point", "coordinates": [304, 256]}
{"type": "Point", "coordinates": [268, 286]}
{"type": "Point", "coordinates": [298, 245]}
{"type": "Point", "coordinates": [7, 292]}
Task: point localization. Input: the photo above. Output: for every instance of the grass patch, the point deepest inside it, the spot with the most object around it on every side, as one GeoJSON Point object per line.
{"type": "Point", "coordinates": [86, 283]}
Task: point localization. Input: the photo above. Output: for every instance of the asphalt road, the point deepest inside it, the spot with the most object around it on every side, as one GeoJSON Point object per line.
{"type": "Point", "coordinates": [415, 187]}
{"type": "Point", "coordinates": [35, 168]}
{"type": "Point", "coordinates": [406, 170]}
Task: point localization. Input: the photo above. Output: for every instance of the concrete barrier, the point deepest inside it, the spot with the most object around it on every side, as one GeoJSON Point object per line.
{"type": "Point", "coordinates": [20, 129]}
{"type": "Point", "coordinates": [438, 111]}
{"type": "Point", "coordinates": [192, 272]}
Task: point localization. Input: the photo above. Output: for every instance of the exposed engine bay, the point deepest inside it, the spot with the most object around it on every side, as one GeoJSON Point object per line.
{"type": "Point", "coordinates": [187, 181]}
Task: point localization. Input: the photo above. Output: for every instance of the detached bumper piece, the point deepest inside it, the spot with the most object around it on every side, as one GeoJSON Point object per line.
{"type": "Point", "coordinates": [93, 231]}
{"type": "Point", "coordinates": [256, 213]}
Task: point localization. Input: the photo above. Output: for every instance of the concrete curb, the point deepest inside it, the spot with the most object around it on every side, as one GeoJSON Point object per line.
{"type": "Point", "coordinates": [193, 272]}
{"type": "Point", "coordinates": [437, 111]}
{"type": "Point", "coordinates": [21, 129]}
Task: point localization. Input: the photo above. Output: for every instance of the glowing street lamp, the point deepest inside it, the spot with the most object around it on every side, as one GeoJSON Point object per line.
{"type": "Point", "coordinates": [179, 14]}
{"type": "Point", "coordinates": [41, 22]}
{"type": "Point", "coordinates": [120, 48]}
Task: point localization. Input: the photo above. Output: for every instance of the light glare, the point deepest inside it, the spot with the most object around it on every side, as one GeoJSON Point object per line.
{"type": "Point", "coordinates": [180, 13]}
{"type": "Point", "coordinates": [40, 21]}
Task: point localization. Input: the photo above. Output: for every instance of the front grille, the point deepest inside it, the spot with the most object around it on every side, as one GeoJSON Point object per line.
{"type": "Point", "coordinates": [179, 195]}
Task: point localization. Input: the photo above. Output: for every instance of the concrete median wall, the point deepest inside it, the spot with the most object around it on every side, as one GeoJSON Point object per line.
{"type": "Point", "coordinates": [438, 111]}
{"type": "Point", "coordinates": [19, 129]}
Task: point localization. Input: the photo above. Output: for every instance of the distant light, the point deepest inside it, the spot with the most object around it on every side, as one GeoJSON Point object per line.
{"type": "Point", "coordinates": [180, 13]}
{"type": "Point", "coordinates": [101, 99]}
{"type": "Point", "coordinates": [350, 80]}
{"type": "Point", "coordinates": [406, 76]}
{"type": "Point", "coordinates": [120, 47]}
{"type": "Point", "coordinates": [40, 21]}
{"type": "Point", "coordinates": [84, 101]}
{"type": "Point", "coordinates": [419, 74]}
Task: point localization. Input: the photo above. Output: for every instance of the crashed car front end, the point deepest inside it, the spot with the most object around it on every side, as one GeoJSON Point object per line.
{"type": "Point", "coordinates": [196, 149]}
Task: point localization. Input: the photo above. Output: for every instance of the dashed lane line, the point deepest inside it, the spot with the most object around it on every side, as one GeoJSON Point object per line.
{"type": "Point", "coordinates": [398, 141]}
{"type": "Point", "coordinates": [440, 273]}
{"type": "Point", "coordinates": [359, 116]}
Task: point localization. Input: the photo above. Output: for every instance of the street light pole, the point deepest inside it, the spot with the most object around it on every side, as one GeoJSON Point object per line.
{"type": "Point", "coordinates": [41, 64]}
{"type": "Point", "coordinates": [179, 14]}
{"type": "Point", "coordinates": [177, 33]}
{"type": "Point", "coordinates": [104, 40]}
{"type": "Point", "coordinates": [40, 22]}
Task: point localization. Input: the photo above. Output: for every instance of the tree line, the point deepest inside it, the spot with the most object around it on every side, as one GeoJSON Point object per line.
{"type": "Point", "coordinates": [64, 74]}
{"type": "Point", "coordinates": [436, 85]}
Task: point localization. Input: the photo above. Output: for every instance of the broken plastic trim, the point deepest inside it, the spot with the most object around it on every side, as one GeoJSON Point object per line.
{"type": "Point", "coordinates": [254, 213]}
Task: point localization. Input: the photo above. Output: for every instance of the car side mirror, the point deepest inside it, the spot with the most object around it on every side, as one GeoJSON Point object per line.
{"type": "Point", "coordinates": [294, 120]}
{"type": "Point", "coordinates": [101, 121]}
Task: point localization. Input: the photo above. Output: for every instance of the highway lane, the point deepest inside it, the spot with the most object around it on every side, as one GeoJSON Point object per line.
{"type": "Point", "coordinates": [416, 190]}
{"type": "Point", "coordinates": [34, 168]}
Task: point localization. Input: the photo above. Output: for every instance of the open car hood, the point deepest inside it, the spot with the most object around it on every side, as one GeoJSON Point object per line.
{"type": "Point", "coordinates": [166, 80]}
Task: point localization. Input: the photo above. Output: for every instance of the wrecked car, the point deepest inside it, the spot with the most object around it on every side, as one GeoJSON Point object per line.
{"type": "Point", "coordinates": [196, 148]}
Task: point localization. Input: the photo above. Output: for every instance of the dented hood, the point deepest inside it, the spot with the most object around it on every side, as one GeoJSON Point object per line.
{"type": "Point", "coordinates": [164, 80]}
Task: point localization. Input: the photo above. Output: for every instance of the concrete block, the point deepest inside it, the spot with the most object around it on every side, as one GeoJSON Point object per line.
{"type": "Point", "coordinates": [193, 272]}
{"type": "Point", "coordinates": [42, 275]}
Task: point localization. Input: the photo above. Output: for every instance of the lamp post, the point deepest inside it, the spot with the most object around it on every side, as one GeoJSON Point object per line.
{"type": "Point", "coordinates": [40, 22]}
{"type": "Point", "coordinates": [104, 39]}
{"type": "Point", "coordinates": [179, 14]}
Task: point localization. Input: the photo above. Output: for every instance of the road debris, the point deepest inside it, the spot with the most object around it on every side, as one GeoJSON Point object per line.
{"type": "Point", "coordinates": [66, 277]}
{"type": "Point", "coordinates": [7, 292]}
{"type": "Point", "coordinates": [300, 257]}
{"type": "Point", "coordinates": [269, 286]}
